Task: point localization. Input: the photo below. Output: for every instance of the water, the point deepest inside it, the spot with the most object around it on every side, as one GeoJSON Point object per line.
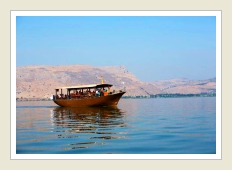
{"type": "Point", "coordinates": [135, 126]}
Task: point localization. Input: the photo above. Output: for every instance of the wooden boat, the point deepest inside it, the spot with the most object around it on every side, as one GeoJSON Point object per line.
{"type": "Point", "coordinates": [87, 95]}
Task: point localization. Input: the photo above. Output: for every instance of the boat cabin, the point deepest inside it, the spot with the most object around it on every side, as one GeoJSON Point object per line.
{"type": "Point", "coordinates": [82, 91]}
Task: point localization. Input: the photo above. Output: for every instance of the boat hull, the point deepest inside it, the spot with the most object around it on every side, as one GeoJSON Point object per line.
{"type": "Point", "coordinates": [109, 100]}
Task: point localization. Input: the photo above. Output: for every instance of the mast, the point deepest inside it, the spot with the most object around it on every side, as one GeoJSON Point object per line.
{"type": "Point", "coordinates": [102, 81]}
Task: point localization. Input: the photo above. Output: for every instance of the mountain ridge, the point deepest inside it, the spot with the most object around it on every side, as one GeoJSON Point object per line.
{"type": "Point", "coordinates": [40, 81]}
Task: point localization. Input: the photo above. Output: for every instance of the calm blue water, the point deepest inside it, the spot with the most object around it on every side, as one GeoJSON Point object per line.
{"type": "Point", "coordinates": [135, 126]}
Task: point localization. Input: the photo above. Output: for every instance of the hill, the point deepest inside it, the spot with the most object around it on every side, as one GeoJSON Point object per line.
{"type": "Point", "coordinates": [186, 86]}
{"type": "Point", "coordinates": [40, 81]}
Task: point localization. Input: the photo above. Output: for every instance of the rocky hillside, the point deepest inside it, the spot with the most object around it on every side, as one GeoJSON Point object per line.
{"type": "Point", "coordinates": [40, 81]}
{"type": "Point", "coordinates": [186, 86]}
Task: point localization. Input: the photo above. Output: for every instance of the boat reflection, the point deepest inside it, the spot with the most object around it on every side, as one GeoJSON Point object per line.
{"type": "Point", "coordinates": [102, 115]}
{"type": "Point", "coordinates": [90, 125]}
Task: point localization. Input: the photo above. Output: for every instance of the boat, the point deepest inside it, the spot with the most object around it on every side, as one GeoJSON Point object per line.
{"type": "Point", "coordinates": [87, 95]}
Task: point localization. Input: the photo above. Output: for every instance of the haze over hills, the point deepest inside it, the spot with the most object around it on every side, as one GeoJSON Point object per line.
{"type": "Point", "coordinates": [40, 81]}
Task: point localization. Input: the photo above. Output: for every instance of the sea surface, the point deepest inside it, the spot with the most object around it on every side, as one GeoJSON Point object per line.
{"type": "Point", "coordinates": [135, 126]}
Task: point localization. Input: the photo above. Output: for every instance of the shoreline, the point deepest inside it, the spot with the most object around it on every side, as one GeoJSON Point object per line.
{"type": "Point", "coordinates": [135, 97]}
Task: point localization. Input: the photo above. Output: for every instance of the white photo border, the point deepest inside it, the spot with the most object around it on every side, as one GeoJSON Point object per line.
{"type": "Point", "coordinates": [215, 13]}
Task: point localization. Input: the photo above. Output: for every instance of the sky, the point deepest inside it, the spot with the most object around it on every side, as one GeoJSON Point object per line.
{"type": "Point", "coordinates": [150, 47]}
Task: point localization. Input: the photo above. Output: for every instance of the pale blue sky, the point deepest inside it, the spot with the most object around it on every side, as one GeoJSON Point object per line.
{"type": "Point", "coordinates": [152, 48]}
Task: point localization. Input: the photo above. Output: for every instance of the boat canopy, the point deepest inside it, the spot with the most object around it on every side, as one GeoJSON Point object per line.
{"type": "Point", "coordinates": [85, 86]}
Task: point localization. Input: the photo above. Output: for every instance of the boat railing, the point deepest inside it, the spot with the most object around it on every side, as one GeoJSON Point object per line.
{"type": "Point", "coordinates": [85, 96]}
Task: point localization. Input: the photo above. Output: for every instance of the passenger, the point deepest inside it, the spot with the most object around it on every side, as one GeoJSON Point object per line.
{"type": "Point", "coordinates": [93, 93]}
{"type": "Point", "coordinates": [89, 93]}
{"type": "Point", "coordinates": [86, 92]}
{"type": "Point", "coordinates": [62, 96]}
{"type": "Point", "coordinates": [97, 93]}
{"type": "Point", "coordinates": [109, 90]}
{"type": "Point", "coordinates": [102, 92]}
